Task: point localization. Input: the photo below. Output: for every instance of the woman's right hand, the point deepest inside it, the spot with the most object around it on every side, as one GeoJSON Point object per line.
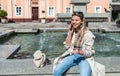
{"type": "Point", "coordinates": [70, 34]}
{"type": "Point", "coordinates": [70, 29]}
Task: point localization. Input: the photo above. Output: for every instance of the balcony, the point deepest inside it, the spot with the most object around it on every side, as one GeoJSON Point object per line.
{"type": "Point", "coordinates": [115, 2]}
{"type": "Point", "coordinates": [95, 17]}
{"type": "Point", "coordinates": [79, 1]}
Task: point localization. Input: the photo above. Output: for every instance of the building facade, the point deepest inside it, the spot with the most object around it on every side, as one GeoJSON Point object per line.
{"type": "Point", "coordinates": [30, 10]}
{"type": "Point", "coordinates": [35, 10]}
{"type": "Point", "coordinates": [94, 10]}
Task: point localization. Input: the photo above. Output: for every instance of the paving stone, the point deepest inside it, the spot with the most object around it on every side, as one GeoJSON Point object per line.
{"type": "Point", "coordinates": [26, 67]}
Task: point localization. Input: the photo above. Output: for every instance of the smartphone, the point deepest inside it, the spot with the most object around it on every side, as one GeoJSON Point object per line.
{"type": "Point", "coordinates": [71, 27]}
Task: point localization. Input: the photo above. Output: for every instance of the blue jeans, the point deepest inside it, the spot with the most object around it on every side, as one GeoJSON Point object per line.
{"type": "Point", "coordinates": [69, 61]}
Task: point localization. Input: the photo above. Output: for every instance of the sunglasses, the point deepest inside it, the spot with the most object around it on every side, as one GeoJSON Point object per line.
{"type": "Point", "coordinates": [78, 13]}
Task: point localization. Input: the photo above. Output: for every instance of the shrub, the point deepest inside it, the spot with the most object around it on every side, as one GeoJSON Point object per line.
{"type": "Point", "coordinates": [3, 13]}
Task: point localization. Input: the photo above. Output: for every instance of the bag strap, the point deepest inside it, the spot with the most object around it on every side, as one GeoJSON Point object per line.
{"type": "Point", "coordinates": [43, 59]}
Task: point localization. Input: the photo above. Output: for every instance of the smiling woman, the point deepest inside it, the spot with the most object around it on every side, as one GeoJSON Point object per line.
{"type": "Point", "coordinates": [79, 50]}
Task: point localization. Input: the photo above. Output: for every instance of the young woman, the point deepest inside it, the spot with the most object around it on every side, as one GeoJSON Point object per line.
{"type": "Point", "coordinates": [79, 45]}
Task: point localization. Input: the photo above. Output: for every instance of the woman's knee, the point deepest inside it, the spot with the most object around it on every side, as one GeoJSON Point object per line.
{"type": "Point", "coordinates": [57, 72]}
{"type": "Point", "coordinates": [85, 69]}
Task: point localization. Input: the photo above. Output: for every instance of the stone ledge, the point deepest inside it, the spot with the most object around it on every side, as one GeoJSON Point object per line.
{"type": "Point", "coordinates": [7, 51]}
{"type": "Point", "coordinates": [25, 67]}
{"type": "Point", "coordinates": [28, 31]}
{"type": "Point", "coordinates": [6, 33]}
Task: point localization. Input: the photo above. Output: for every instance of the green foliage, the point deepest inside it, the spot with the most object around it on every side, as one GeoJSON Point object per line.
{"type": "Point", "coordinates": [43, 11]}
{"type": "Point", "coordinates": [3, 13]}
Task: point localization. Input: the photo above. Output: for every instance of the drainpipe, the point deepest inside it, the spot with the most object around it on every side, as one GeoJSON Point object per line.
{"type": "Point", "coordinates": [11, 11]}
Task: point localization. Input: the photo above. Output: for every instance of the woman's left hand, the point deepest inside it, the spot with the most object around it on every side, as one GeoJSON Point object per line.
{"type": "Point", "coordinates": [76, 51]}
{"type": "Point", "coordinates": [81, 52]}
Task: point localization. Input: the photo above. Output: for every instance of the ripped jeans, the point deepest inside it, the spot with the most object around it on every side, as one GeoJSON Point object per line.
{"type": "Point", "coordinates": [69, 61]}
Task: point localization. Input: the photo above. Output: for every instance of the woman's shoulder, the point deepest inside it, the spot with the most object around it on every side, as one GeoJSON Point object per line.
{"type": "Point", "coordinates": [88, 34]}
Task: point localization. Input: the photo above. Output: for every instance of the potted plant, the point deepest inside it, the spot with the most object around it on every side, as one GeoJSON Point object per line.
{"type": "Point", "coordinates": [43, 20]}
{"type": "Point", "coordinates": [3, 15]}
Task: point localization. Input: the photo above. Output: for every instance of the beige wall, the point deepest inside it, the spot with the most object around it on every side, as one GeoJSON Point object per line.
{"type": "Point", "coordinates": [102, 3]}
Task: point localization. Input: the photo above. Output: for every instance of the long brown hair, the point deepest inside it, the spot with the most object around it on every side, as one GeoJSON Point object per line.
{"type": "Point", "coordinates": [82, 28]}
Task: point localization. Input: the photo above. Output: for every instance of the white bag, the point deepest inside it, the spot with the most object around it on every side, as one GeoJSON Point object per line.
{"type": "Point", "coordinates": [99, 69]}
{"type": "Point", "coordinates": [39, 58]}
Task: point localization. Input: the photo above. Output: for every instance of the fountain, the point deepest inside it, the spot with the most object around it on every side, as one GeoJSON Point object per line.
{"type": "Point", "coordinates": [42, 40]}
{"type": "Point", "coordinates": [107, 44]}
{"type": "Point", "coordinates": [51, 43]}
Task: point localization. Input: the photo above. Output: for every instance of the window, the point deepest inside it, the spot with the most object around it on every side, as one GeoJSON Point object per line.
{"type": "Point", "coordinates": [51, 11]}
{"type": "Point", "coordinates": [68, 10]}
{"type": "Point", "coordinates": [97, 9]}
{"type": "Point", "coordinates": [18, 11]}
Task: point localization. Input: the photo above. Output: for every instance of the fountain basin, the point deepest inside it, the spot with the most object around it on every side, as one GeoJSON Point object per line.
{"type": "Point", "coordinates": [51, 43]}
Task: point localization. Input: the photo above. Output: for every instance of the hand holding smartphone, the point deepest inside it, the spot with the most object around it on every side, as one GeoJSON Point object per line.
{"type": "Point", "coordinates": [71, 27]}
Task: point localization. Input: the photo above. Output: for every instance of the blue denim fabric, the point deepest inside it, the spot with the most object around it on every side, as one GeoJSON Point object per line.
{"type": "Point", "coordinates": [75, 59]}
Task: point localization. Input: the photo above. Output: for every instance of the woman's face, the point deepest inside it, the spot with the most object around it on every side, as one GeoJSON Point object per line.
{"type": "Point", "coordinates": [76, 21]}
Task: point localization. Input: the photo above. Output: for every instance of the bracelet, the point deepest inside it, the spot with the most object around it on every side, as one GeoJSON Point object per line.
{"type": "Point", "coordinates": [78, 47]}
